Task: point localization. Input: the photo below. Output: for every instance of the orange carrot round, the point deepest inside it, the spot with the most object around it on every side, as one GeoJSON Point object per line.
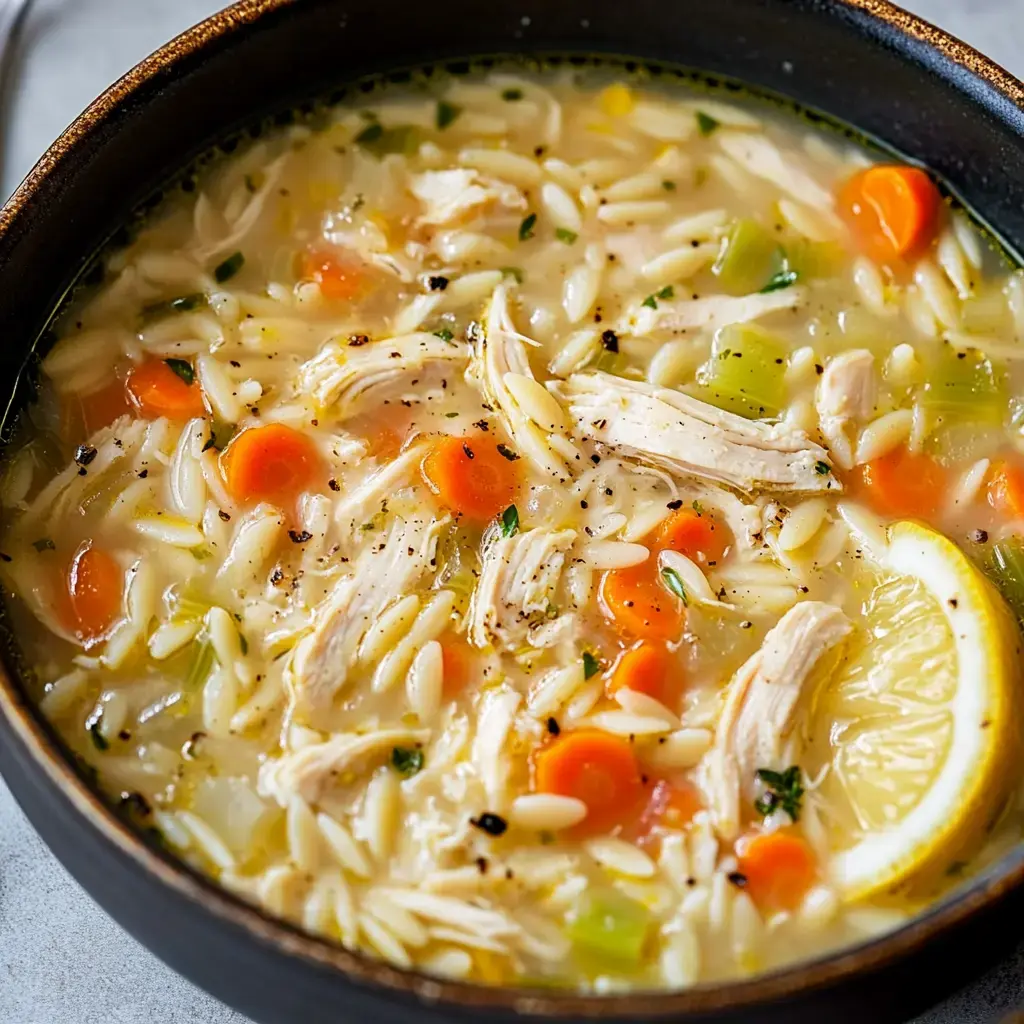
{"type": "Point", "coordinates": [341, 277]}
{"type": "Point", "coordinates": [596, 767]}
{"type": "Point", "coordinates": [695, 534]}
{"type": "Point", "coordinates": [94, 585]}
{"type": "Point", "coordinates": [904, 483]}
{"type": "Point", "coordinates": [671, 805]}
{"type": "Point", "coordinates": [639, 603]}
{"type": "Point", "coordinates": [457, 659]}
{"type": "Point", "coordinates": [1006, 489]}
{"type": "Point", "coordinates": [892, 211]}
{"type": "Point", "coordinates": [779, 868]}
{"type": "Point", "coordinates": [648, 667]}
{"type": "Point", "coordinates": [274, 463]}
{"type": "Point", "coordinates": [156, 390]}
{"type": "Point", "coordinates": [470, 476]}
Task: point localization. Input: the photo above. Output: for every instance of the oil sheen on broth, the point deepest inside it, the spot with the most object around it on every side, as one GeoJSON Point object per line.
{"type": "Point", "coordinates": [540, 531]}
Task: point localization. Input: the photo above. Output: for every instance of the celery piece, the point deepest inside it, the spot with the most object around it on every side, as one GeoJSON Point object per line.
{"type": "Point", "coordinates": [610, 926]}
{"type": "Point", "coordinates": [1005, 567]}
{"type": "Point", "coordinates": [380, 140]}
{"type": "Point", "coordinates": [612, 362]}
{"type": "Point", "coordinates": [986, 312]}
{"type": "Point", "coordinates": [814, 259]}
{"type": "Point", "coordinates": [200, 664]}
{"type": "Point", "coordinates": [745, 373]}
{"type": "Point", "coordinates": [963, 386]}
{"type": "Point", "coordinates": [749, 258]}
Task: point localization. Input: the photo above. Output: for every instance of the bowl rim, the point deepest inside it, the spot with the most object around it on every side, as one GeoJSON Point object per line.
{"type": "Point", "coordinates": [46, 756]}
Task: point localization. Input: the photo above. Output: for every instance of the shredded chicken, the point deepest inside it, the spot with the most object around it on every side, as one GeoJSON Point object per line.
{"type": "Point", "coordinates": [758, 715]}
{"type": "Point", "coordinates": [688, 437]}
{"type": "Point", "coordinates": [517, 585]}
{"type": "Point", "coordinates": [307, 772]}
{"type": "Point", "coordinates": [846, 397]}
{"type": "Point", "coordinates": [500, 369]}
{"type": "Point", "coordinates": [447, 196]}
{"type": "Point", "coordinates": [709, 313]}
{"type": "Point", "coordinates": [318, 668]}
{"type": "Point", "coordinates": [369, 498]}
{"type": "Point", "coordinates": [344, 372]}
{"type": "Point", "coordinates": [756, 153]}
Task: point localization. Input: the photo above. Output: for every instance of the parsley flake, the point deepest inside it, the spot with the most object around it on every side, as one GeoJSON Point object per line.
{"type": "Point", "coordinates": [183, 369]}
{"type": "Point", "coordinates": [227, 269]}
{"type": "Point", "coordinates": [706, 123]}
{"type": "Point", "coordinates": [822, 468]}
{"type": "Point", "coordinates": [780, 280]}
{"type": "Point", "coordinates": [784, 789]}
{"type": "Point", "coordinates": [591, 666]}
{"type": "Point", "coordinates": [446, 114]}
{"type": "Point", "coordinates": [407, 761]}
{"type": "Point", "coordinates": [565, 235]}
{"type": "Point", "coordinates": [510, 521]}
{"type": "Point", "coordinates": [527, 226]}
{"type": "Point", "coordinates": [674, 582]}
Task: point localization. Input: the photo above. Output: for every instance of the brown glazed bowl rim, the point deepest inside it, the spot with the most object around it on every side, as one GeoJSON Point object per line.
{"type": "Point", "coordinates": [48, 759]}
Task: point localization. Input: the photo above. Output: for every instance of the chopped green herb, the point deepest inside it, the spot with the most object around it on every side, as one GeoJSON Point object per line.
{"type": "Point", "coordinates": [407, 761]}
{"type": "Point", "coordinates": [783, 279]}
{"type": "Point", "coordinates": [674, 582]}
{"type": "Point", "coordinates": [706, 123]}
{"type": "Point", "coordinates": [183, 369]}
{"type": "Point", "coordinates": [515, 272]}
{"type": "Point", "coordinates": [651, 302]}
{"type": "Point", "coordinates": [44, 544]}
{"type": "Point", "coordinates": [250, 183]}
{"type": "Point", "coordinates": [228, 268]}
{"type": "Point", "coordinates": [505, 452]}
{"type": "Point", "coordinates": [450, 415]}
{"type": "Point", "coordinates": [510, 521]}
{"type": "Point", "coordinates": [668, 186]}
{"type": "Point", "coordinates": [380, 140]}
{"type": "Point", "coordinates": [526, 228]}
{"type": "Point", "coordinates": [697, 507]}
{"type": "Point", "coordinates": [444, 334]}
{"type": "Point", "coordinates": [822, 468]}
{"type": "Point", "coordinates": [98, 739]}
{"type": "Point", "coordinates": [591, 666]}
{"type": "Point", "coordinates": [785, 790]}
{"type": "Point", "coordinates": [243, 643]}
{"type": "Point", "coordinates": [565, 235]}
{"type": "Point", "coordinates": [512, 95]}
{"type": "Point", "coordinates": [371, 133]}
{"type": "Point", "coordinates": [446, 114]}
{"type": "Point", "coordinates": [181, 304]}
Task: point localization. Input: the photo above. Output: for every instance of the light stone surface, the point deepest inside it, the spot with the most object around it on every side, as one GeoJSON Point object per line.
{"type": "Point", "coordinates": [62, 960]}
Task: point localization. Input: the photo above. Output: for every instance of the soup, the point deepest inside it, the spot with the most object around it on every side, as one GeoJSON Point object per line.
{"type": "Point", "coordinates": [541, 531]}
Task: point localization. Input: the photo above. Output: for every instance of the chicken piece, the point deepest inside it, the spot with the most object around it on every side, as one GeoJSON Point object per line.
{"type": "Point", "coordinates": [758, 714]}
{"type": "Point", "coordinates": [365, 501]}
{"type": "Point", "coordinates": [758, 155]}
{"type": "Point", "coordinates": [517, 585]}
{"type": "Point", "coordinates": [448, 196]}
{"type": "Point", "coordinates": [500, 369]}
{"type": "Point", "coordinates": [709, 313]}
{"type": "Point", "coordinates": [846, 398]}
{"type": "Point", "coordinates": [307, 772]}
{"type": "Point", "coordinates": [318, 668]}
{"type": "Point", "coordinates": [688, 437]}
{"type": "Point", "coordinates": [344, 373]}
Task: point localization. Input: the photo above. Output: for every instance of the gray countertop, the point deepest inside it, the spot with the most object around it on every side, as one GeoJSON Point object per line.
{"type": "Point", "coordinates": [62, 960]}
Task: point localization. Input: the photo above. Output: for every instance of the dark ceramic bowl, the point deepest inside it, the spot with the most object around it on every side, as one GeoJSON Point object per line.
{"type": "Point", "coordinates": [894, 78]}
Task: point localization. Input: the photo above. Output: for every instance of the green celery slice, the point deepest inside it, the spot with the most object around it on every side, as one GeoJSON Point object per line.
{"type": "Point", "coordinates": [745, 373]}
{"type": "Point", "coordinates": [749, 258]}
{"type": "Point", "coordinates": [814, 259]}
{"type": "Point", "coordinates": [986, 312]}
{"type": "Point", "coordinates": [964, 386]}
{"type": "Point", "coordinates": [610, 926]}
{"type": "Point", "coordinates": [1005, 566]}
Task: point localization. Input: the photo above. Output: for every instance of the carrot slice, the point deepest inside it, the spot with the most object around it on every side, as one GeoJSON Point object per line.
{"type": "Point", "coordinates": [596, 767]}
{"type": "Point", "coordinates": [341, 278]}
{"type": "Point", "coordinates": [273, 463]}
{"type": "Point", "coordinates": [640, 604]}
{"type": "Point", "coordinates": [892, 211]}
{"type": "Point", "coordinates": [904, 483]}
{"type": "Point", "coordinates": [470, 476]}
{"type": "Point", "coordinates": [649, 668]}
{"type": "Point", "coordinates": [1006, 489]}
{"type": "Point", "coordinates": [457, 659]}
{"type": "Point", "coordinates": [94, 586]}
{"type": "Point", "coordinates": [156, 390]}
{"type": "Point", "coordinates": [671, 805]}
{"type": "Point", "coordinates": [694, 534]}
{"type": "Point", "coordinates": [779, 869]}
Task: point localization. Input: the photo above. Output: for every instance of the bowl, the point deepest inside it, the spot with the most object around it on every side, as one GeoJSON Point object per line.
{"type": "Point", "coordinates": [896, 80]}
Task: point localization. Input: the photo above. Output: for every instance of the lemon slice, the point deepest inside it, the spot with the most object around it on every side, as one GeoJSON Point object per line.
{"type": "Point", "coordinates": [917, 725]}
